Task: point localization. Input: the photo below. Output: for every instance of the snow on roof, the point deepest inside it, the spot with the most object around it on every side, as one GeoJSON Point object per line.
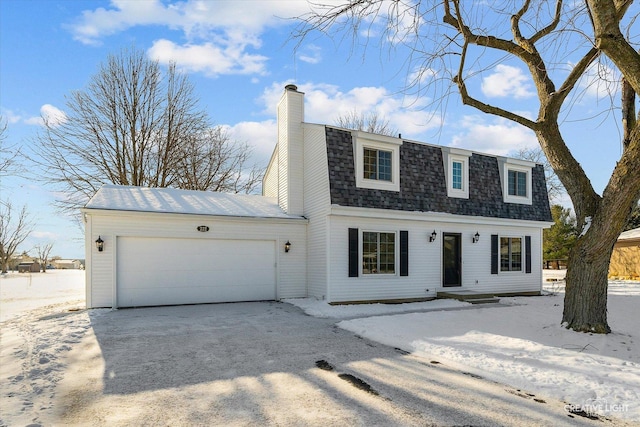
{"type": "Point", "coordinates": [171, 200]}
{"type": "Point", "coordinates": [630, 234]}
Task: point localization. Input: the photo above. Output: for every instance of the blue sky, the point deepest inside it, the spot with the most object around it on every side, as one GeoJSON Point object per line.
{"type": "Point", "coordinates": [239, 56]}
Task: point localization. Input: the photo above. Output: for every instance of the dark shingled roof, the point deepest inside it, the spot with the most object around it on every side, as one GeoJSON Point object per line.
{"type": "Point", "coordinates": [422, 184]}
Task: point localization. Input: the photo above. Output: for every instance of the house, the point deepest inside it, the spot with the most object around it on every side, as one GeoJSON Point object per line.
{"type": "Point", "coordinates": [67, 264]}
{"type": "Point", "coordinates": [625, 259]}
{"type": "Point", "coordinates": [29, 267]}
{"type": "Point", "coordinates": [345, 216]}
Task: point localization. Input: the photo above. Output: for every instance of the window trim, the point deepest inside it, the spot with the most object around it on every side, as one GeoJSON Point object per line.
{"type": "Point", "coordinates": [395, 253]}
{"type": "Point", "coordinates": [451, 155]}
{"type": "Point", "coordinates": [380, 143]}
{"type": "Point", "coordinates": [517, 166]}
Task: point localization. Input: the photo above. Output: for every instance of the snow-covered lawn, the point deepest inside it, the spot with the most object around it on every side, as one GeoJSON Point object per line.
{"type": "Point", "coordinates": [20, 292]}
{"type": "Point", "coordinates": [518, 342]}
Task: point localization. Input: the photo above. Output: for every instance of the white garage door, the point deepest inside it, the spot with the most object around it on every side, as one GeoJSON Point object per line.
{"type": "Point", "coordinates": [161, 271]}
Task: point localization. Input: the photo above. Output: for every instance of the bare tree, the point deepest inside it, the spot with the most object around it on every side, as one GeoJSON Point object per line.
{"type": "Point", "coordinates": [43, 252]}
{"type": "Point", "coordinates": [455, 41]}
{"type": "Point", "coordinates": [13, 231]}
{"type": "Point", "coordinates": [536, 155]}
{"type": "Point", "coordinates": [371, 123]}
{"type": "Point", "coordinates": [134, 125]}
{"type": "Point", "coordinates": [9, 154]}
{"type": "Point", "coordinates": [211, 161]}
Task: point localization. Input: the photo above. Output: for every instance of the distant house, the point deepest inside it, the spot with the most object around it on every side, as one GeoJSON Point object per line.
{"type": "Point", "coordinates": [28, 267]}
{"type": "Point", "coordinates": [625, 259]}
{"type": "Point", "coordinates": [66, 264]}
{"type": "Point", "coordinates": [345, 216]}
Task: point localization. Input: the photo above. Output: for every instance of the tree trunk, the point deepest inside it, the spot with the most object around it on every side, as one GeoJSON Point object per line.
{"type": "Point", "coordinates": [585, 300]}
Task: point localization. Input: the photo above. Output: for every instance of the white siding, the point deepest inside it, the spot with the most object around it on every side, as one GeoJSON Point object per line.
{"type": "Point", "coordinates": [290, 152]}
{"type": "Point", "coordinates": [425, 260]}
{"type": "Point", "coordinates": [270, 179]}
{"type": "Point", "coordinates": [101, 271]}
{"type": "Point", "coordinates": [316, 207]}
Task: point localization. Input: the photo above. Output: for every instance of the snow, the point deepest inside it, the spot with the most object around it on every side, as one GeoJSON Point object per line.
{"type": "Point", "coordinates": [518, 342]}
{"type": "Point", "coordinates": [171, 200]}
{"type": "Point", "coordinates": [633, 234]}
{"type": "Point", "coordinates": [587, 225]}
{"type": "Point", "coordinates": [21, 292]}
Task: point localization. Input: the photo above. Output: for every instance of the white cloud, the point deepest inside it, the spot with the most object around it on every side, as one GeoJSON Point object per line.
{"type": "Point", "coordinates": [44, 235]}
{"type": "Point", "coordinates": [208, 58]}
{"type": "Point", "coordinates": [48, 114]}
{"type": "Point", "coordinates": [499, 136]}
{"type": "Point", "coordinates": [218, 34]}
{"type": "Point", "coordinates": [507, 81]}
{"type": "Point", "coordinates": [261, 137]}
{"type": "Point", "coordinates": [10, 116]}
{"type": "Point", "coordinates": [310, 54]}
{"type": "Point", "coordinates": [324, 103]}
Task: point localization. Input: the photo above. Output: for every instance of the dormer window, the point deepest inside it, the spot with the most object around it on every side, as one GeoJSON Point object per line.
{"type": "Point", "coordinates": [456, 166]}
{"type": "Point", "coordinates": [377, 161]}
{"type": "Point", "coordinates": [516, 176]}
{"type": "Point", "coordinates": [377, 164]}
{"type": "Point", "coordinates": [517, 183]}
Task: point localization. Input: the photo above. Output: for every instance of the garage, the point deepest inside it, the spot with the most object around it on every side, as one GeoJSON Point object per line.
{"type": "Point", "coordinates": [168, 271]}
{"type": "Point", "coordinates": [164, 246]}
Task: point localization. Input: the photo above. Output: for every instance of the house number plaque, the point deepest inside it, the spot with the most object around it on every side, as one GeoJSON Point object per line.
{"type": "Point", "coordinates": [203, 228]}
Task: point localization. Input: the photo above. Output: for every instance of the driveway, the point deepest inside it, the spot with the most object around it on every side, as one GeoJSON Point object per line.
{"type": "Point", "coordinates": [267, 364]}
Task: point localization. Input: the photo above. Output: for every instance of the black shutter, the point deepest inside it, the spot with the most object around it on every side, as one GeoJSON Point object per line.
{"type": "Point", "coordinates": [527, 254]}
{"type": "Point", "coordinates": [494, 254]}
{"type": "Point", "coordinates": [404, 253]}
{"type": "Point", "coordinates": [353, 252]}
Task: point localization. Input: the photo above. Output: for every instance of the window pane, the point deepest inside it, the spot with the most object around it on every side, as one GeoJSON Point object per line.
{"type": "Point", "coordinates": [522, 184]}
{"type": "Point", "coordinates": [370, 164]}
{"type": "Point", "coordinates": [457, 175]}
{"type": "Point", "coordinates": [384, 165]}
{"type": "Point", "coordinates": [516, 254]}
{"type": "Point", "coordinates": [504, 254]}
{"type": "Point", "coordinates": [512, 183]}
{"type": "Point", "coordinates": [369, 252]}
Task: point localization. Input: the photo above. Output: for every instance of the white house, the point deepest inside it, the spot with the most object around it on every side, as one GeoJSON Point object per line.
{"type": "Point", "coordinates": [345, 216]}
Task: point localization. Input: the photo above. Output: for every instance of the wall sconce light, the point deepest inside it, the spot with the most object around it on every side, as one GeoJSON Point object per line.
{"type": "Point", "coordinates": [100, 244]}
{"type": "Point", "coordinates": [476, 238]}
{"type": "Point", "coordinates": [287, 246]}
{"type": "Point", "coordinates": [432, 237]}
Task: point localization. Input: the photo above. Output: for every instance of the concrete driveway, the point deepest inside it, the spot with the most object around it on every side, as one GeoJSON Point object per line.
{"type": "Point", "coordinates": [270, 364]}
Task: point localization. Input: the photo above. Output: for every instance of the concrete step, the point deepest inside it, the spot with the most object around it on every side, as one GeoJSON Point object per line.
{"type": "Point", "coordinates": [468, 296]}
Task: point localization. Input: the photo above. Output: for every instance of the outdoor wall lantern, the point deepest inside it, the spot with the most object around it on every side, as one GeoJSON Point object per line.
{"type": "Point", "coordinates": [432, 237]}
{"type": "Point", "coordinates": [476, 238]}
{"type": "Point", "coordinates": [100, 244]}
{"type": "Point", "coordinates": [287, 246]}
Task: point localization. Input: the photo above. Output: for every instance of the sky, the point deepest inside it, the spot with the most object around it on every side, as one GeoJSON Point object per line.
{"type": "Point", "coordinates": [239, 55]}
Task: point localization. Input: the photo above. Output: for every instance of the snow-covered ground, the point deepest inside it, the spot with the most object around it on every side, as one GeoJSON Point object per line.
{"type": "Point", "coordinates": [518, 342]}
{"type": "Point", "coordinates": [20, 292]}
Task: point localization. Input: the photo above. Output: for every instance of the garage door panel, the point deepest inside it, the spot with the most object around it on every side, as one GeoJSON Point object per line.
{"type": "Point", "coordinates": [159, 271]}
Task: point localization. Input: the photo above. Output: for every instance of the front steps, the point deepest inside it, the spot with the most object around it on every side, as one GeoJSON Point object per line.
{"type": "Point", "coordinates": [468, 296]}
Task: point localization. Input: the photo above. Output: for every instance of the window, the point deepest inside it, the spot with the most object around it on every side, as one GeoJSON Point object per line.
{"type": "Point", "coordinates": [516, 176]}
{"type": "Point", "coordinates": [377, 164]}
{"type": "Point", "coordinates": [456, 166]}
{"type": "Point", "coordinates": [456, 175]}
{"type": "Point", "coordinates": [378, 253]}
{"type": "Point", "coordinates": [510, 254]}
{"type": "Point", "coordinates": [517, 183]}
{"type": "Point", "coordinates": [377, 161]}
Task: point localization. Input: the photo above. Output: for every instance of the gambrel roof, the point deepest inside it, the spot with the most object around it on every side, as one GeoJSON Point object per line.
{"type": "Point", "coordinates": [423, 187]}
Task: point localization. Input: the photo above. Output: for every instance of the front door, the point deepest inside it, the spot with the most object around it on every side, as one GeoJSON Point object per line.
{"type": "Point", "coordinates": [452, 259]}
